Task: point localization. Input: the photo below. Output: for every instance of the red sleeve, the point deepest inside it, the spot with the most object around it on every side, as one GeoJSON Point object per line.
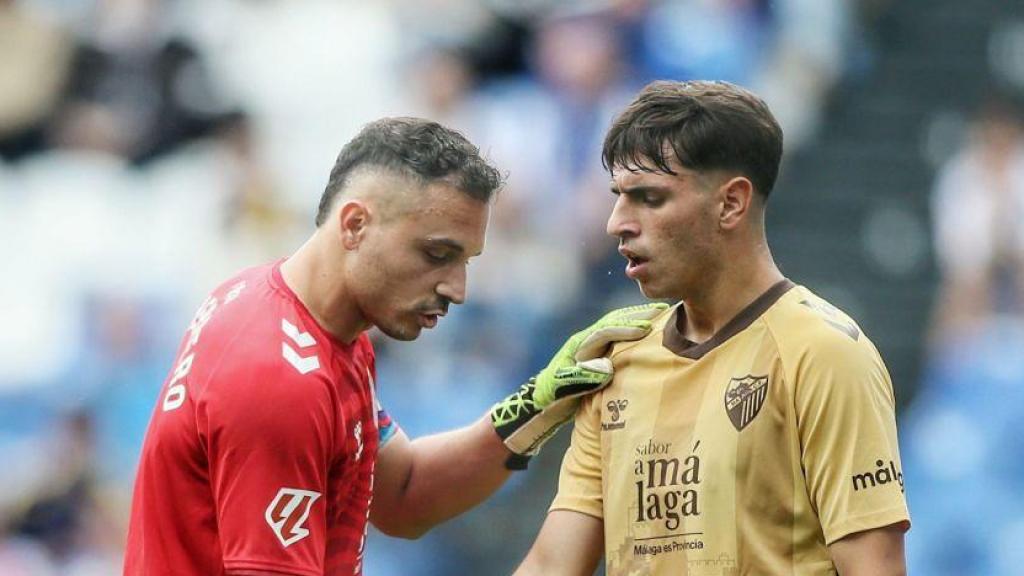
{"type": "Point", "coordinates": [386, 426]}
{"type": "Point", "coordinates": [269, 436]}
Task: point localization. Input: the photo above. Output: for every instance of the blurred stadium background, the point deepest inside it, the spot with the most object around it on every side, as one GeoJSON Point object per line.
{"type": "Point", "coordinates": [150, 148]}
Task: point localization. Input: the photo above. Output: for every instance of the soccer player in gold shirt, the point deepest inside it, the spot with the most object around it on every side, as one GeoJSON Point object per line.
{"type": "Point", "coordinates": [753, 430]}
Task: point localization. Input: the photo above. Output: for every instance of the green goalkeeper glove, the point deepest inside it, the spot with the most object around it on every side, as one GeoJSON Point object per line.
{"type": "Point", "coordinates": [526, 419]}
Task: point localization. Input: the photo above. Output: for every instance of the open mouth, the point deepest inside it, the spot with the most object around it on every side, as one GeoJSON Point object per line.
{"type": "Point", "coordinates": [635, 263]}
{"type": "Point", "coordinates": [635, 260]}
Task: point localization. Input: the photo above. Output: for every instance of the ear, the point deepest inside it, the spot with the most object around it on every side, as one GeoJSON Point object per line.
{"type": "Point", "coordinates": [737, 195]}
{"type": "Point", "coordinates": [353, 219]}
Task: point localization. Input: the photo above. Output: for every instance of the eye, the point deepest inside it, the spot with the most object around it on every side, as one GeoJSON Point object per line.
{"type": "Point", "coordinates": [437, 255]}
{"type": "Point", "coordinates": [650, 199]}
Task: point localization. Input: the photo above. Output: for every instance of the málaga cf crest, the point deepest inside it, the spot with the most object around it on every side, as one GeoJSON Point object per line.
{"type": "Point", "coordinates": [744, 398]}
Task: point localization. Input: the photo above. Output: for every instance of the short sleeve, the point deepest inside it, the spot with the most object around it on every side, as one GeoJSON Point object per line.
{"type": "Point", "coordinates": [269, 442]}
{"type": "Point", "coordinates": [847, 426]}
{"type": "Point", "coordinates": [386, 425]}
{"type": "Point", "coordinates": [579, 482]}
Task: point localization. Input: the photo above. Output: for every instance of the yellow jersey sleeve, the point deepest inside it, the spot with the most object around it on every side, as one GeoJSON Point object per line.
{"type": "Point", "coordinates": [846, 422]}
{"type": "Point", "coordinates": [579, 482]}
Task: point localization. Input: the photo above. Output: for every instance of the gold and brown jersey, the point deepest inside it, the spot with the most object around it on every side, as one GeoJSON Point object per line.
{"type": "Point", "coordinates": [747, 454]}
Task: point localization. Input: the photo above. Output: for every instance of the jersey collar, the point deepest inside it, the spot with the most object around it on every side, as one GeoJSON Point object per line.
{"type": "Point", "coordinates": [674, 340]}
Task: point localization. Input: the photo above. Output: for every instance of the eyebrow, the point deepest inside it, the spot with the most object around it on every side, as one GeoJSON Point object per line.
{"type": "Point", "coordinates": [635, 190]}
{"type": "Point", "coordinates": [450, 244]}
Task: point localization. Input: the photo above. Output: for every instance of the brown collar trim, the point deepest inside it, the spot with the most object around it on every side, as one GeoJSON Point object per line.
{"type": "Point", "coordinates": [673, 339]}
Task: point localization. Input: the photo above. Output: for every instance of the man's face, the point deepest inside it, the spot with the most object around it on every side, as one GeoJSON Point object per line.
{"type": "Point", "coordinates": [412, 262]}
{"type": "Point", "coordinates": [667, 229]}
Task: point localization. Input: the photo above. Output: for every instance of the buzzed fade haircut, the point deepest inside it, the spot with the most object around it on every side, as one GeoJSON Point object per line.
{"type": "Point", "coordinates": [706, 125]}
{"type": "Point", "coordinates": [419, 149]}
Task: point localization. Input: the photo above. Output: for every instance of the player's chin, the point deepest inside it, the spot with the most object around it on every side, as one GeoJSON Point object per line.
{"type": "Point", "coordinates": [402, 330]}
{"type": "Point", "coordinates": [649, 289]}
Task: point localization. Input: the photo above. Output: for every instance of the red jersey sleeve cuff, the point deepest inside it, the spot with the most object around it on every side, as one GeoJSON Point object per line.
{"type": "Point", "coordinates": [251, 567]}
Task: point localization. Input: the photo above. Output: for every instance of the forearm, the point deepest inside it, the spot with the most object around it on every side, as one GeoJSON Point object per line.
{"type": "Point", "coordinates": [876, 552]}
{"type": "Point", "coordinates": [871, 568]}
{"type": "Point", "coordinates": [450, 473]}
{"type": "Point", "coordinates": [423, 483]}
{"type": "Point", "coordinates": [569, 544]}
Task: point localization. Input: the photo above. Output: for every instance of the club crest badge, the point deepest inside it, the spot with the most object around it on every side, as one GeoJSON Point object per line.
{"type": "Point", "coordinates": [744, 398]}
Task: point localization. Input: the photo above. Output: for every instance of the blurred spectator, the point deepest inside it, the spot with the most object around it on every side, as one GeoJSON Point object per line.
{"type": "Point", "coordinates": [442, 81]}
{"type": "Point", "coordinates": [34, 64]}
{"type": "Point", "coordinates": [258, 221]}
{"type": "Point", "coordinates": [136, 90]}
{"type": "Point", "coordinates": [964, 443]}
{"type": "Point", "coordinates": [978, 206]}
{"type": "Point", "coordinates": [963, 456]}
{"type": "Point", "coordinates": [802, 63]}
{"type": "Point", "coordinates": [720, 39]}
{"type": "Point", "coordinates": [447, 23]}
{"type": "Point", "coordinates": [23, 557]}
{"type": "Point", "coordinates": [309, 74]}
{"type": "Point", "coordinates": [118, 375]}
{"type": "Point", "coordinates": [546, 130]}
{"type": "Point", "coordinates": [64, 515]}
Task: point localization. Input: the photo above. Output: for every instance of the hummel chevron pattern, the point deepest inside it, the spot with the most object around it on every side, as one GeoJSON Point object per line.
{"type": "Point", "coordinates": [304, 364]}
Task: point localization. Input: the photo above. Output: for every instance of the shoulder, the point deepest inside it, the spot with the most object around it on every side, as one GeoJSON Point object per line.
{"type": "Point", "coordinates": [258, 324]}
{"type": "Point", "coordinates": [271, 379]}
{"type": "Point", "coordinates": [282, 345]}
{"type": "Point", "coordinates": [237, 303]}
{"type": "Point", "coordinates": [266, 347]}
{"type": "Point", "coordinates": [810, 332]}
{"type": "Point", "coordinates": [639, 364]}
{"type": "Point", "coordinates": [804, 322]}
{"type": "Point", "coordinates": [818, 340]}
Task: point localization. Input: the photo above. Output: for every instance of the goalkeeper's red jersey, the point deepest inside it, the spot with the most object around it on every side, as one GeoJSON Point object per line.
{"type": "Point", "coordinates": [260, 452]}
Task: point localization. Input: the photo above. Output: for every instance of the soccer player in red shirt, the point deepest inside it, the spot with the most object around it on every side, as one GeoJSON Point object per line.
{"type": "Point", "coordinates": [267, 445]}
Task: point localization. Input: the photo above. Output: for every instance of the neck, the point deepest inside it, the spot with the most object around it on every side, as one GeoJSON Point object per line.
{"type": "Point", "coordinates": [317, 278]}
{"type": "Point", "coordinates": [726, 293]}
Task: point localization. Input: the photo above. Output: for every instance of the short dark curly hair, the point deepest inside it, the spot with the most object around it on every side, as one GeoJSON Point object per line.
{"type": "Point", "coordinates": [706, 125]}
{"type": "Point", "coordinates": [416, 148]}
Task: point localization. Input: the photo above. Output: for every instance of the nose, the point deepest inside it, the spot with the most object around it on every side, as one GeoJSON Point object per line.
{"type": "Point", "coordinates": [453, 287]}
{"type": "Point", "coordinates": [620, 223]}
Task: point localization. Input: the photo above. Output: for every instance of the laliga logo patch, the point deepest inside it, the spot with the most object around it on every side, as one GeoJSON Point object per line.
{"type": "Point", "coordinates": [287, 514]}
{"type": "Point", "coordinates": [744, 398]}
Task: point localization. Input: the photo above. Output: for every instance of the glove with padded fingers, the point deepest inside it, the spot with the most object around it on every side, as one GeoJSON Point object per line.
{"type": "Point", "coordinates": [532, 415]}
